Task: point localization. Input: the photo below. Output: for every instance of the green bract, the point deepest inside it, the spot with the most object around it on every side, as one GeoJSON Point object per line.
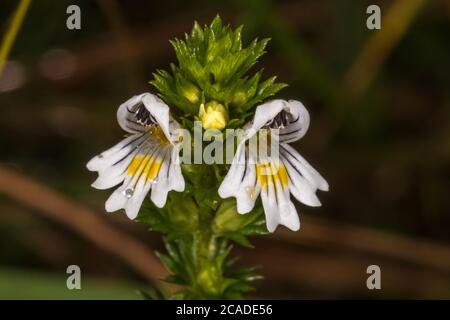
{"type": "Point", "coordinates": [213, 66]}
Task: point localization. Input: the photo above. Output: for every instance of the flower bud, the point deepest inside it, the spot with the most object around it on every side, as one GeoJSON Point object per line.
{"type": "Point", "coordinates": [239, 98]}
{"type": "Point", "coordinates": [213, 116]}
{"type": "Point", "coordinates": [190, 92]}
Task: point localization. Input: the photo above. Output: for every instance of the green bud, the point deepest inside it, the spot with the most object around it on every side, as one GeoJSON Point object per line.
{"type": "Point", "coordinates": [239, 98]}
{"type": "Point", "coordinates": [190, 92]}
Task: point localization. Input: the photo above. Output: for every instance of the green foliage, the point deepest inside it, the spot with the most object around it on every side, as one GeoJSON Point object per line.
{"type": "Point", "coordinates": [228, 223]}
{"type": "Point", "coordinates": [197, 226]}
{"type": "Point", "coordinates": [203, 268]}
{"type": "Point", "coordinates": [212, 66]}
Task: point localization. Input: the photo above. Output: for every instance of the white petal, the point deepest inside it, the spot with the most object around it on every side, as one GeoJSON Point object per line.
{"type": "Point", "coordinates": [282, 199]}
{"type": "Point", "coordinates": [116, 153]}
{"type": "Point", "coordinates": [298, 123]}
{"type": "Point", "coordinates": [249, 189]}
{"type": "Point", "coordinates": [126, 116]}
{"type": "Point", "coordinates": [159, 110]}
{"type": "Point", "coordinates": [265, 113]}
{"type": "Point", "coordinates": [112, 168]}
{"type": "Point", "coordinates": [134, 205]}
{"type": "Point", "coordinates": [301, 188]}
{"type": "Point", "coordinates": [131, 193]}
{"type": "Point", "coordinates": [306, 170]}
{"type": "Point", "coordinates": [291, 220]}
{"type": "Point", "coordinates": [268, 199]}
{"type": "Point", "coordinates": [233, 178]}
{"type": "Point", "coordinates": [176, 180]}
{"type": "Point", "coordinates": [298, 119]}
{"type": "Point", "coordinates": [278, 209]}
{"type": "Point", "coordinates": [161, 184]}
{"type": "Point", "coordinates": [158, 114]}
{"type": "Point", "coordinates": [141, 190]}
{"type": "Point", "coordinates": [240, 181]}
{"type": "Point", "coordinates": [113, 176]}
{"type": "Point", "coordinates": [116, 201]}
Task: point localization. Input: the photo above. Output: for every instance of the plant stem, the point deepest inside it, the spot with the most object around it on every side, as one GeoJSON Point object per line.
{"type": "Point", "coordinates": [207, 276]}
{"type": "Point", "coordinates": [12, 31]}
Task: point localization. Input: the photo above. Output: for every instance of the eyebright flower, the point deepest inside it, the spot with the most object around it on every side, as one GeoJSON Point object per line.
{"type": "Point", "coordinates": [148, 159]}
{"type": "Point", "coordinates": [274, 176]}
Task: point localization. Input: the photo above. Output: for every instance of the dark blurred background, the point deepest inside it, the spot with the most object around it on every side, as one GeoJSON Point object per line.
{"type": "Point", "coordinates": [380, 110]}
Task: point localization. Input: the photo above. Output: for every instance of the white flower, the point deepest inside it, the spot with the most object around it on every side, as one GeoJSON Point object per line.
{"type": "Point", "coordinates": [276, 175]}
{"type": "Point", "coordinates": [148, 159]}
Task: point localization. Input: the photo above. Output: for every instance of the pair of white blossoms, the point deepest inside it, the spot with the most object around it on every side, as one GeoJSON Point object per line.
{"type": "Point", "coordinates": [148, 160]}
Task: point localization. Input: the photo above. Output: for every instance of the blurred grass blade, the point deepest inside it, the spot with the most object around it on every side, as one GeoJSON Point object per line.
{"type": "Point", "coordinates": [372, 56]}
{"type": "Point", "coordinates": [12, 31]}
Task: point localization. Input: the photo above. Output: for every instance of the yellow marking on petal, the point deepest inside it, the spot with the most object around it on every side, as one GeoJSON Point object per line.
{"type": "Point", "coordinates": [134, 165]}
{"type": "Point", "coordinates": [271, 172]}
{"type": "Point", "coordinates": [152, 169]}
{"type": "Point", "coordinates": [283, 176]}
{"type": "Point", "coordinates": [152, 166]}
{"type": "Point", "coordinates": [275, 177]}
{"type": "Point", "coordinates": [158, 134]}
{"type": "Point", "coordinates": [261, 174]}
